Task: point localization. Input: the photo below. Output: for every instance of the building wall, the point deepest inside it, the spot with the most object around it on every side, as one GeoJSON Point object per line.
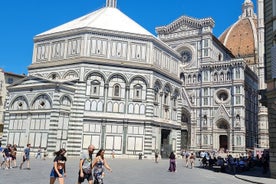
{"type": "Point", "coordinates": [6, 79]}
{"type": "Point", "coordinates": [222, 91]}
{"type": "Point", "coordinates": [270, 50]}
{"type": "Point", "coordinates": [124, 96]}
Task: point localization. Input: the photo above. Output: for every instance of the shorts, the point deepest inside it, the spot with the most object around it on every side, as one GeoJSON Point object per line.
{"type": "Point", "coordinates": [89, 177]}
{"type": "Point", "coordinates": [54, 174]}
{"type": "Point", "coordinates": [25, 158]}
{"type": "Point", "coordinates": [8, 159]}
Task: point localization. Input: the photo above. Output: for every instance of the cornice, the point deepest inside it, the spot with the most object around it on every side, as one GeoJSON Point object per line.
{"type": "Point", "coordinates": [103, 61]}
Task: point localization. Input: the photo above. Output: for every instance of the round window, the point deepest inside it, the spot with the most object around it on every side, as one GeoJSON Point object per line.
{"type": "Point", "coordinates": [222, 95]}
{"type": "Point", "coordinates": [186, 55]}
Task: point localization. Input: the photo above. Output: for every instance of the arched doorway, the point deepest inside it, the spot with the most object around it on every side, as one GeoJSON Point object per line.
{"type": "Point", "coordinates": [223, 135]}
{"type": "Point", "coordinates": [223, 142]}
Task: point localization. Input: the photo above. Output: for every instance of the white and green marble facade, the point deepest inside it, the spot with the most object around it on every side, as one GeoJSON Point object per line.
{"type": "Point", "coordinates": [132, 92]}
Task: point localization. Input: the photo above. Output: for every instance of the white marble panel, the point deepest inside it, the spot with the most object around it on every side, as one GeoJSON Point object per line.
{"type": "Point", "coordinates": [118, 143]}
{"type": "Point", "coordinates": [96, 141]}
{"type": "Point", "coordinates": [130, 143]}
{"type": "Point", "coordinates": [141, 130]}
{"type": "Point", "coordinates": [114, 129]}
{"type": "Point", "coordinates": [10, 139]}
{"type": "Point", "coordinates": [139, 143]}
{"type": "Point", "coordinates": [44, 139]}
{"type": "Point", "coordinates": [135, 130]}
{"type": "Point", "coordinates": [130, 109]}
{"type": "Point", "coordinates": [86, 141]}
{"type": "Point", "coordinates": [109, 142]}
{"type": "Point", "coordinates": [98, 128]}
{"type": "Point", "coordinates": [16, 138]}
{"type": "Point", "coordinates": [37, 139]}
{"type": "Point", "coordinates": [120, 129]}
{"type": "Point", "coordinates": [31, 138]}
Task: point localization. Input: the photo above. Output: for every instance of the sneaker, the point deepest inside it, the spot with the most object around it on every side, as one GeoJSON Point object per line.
{"type": "Point", "coordinates": [28, 168]}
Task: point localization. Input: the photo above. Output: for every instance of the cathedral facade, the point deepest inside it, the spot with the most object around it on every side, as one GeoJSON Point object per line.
{"type": "Point", "coordinates": [103, 79]}
{"type": "Point", "coordinates": [219, 91]}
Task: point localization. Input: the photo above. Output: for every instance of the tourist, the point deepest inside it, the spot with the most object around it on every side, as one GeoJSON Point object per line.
{"type": "Point", "coordinates": [7, 156]}
{"type": "Point", "coordinates": [172, 167]}
{"type": "Point", "coordinates": [187, 155]}
{"type": "Point", "coordinates": [98, 164]}
{"type": "Point", "coordinates": [85, 166]}
{"type": "Point", "coordinates": [45, 154]}
{"type": "Point", "coordinates": [38, 153]}
{"type": "Point", "coordinates": [58, 170]}
{"type": "Point", "coordinates": [192, 160]}
{"type": "Point", "coordinates": [26, 157]}
{"type": "Point", "coordinates": [113, 154]}
{"type": "Point", "coordinates": [156, 154]}
{"type": "Point", "coordinates": [13, 155]}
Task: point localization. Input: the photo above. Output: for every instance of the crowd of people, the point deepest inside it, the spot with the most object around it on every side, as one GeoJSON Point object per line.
{"type": "Point", "coordinates": [90, 169]}
{"type": "Point", "coordinates": [238, 163]}
{"type": "Point", "coordinates": [93, 169]}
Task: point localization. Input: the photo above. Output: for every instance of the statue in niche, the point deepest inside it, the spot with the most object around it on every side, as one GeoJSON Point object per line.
{"type": "Point", "coordinates": [238, 124]}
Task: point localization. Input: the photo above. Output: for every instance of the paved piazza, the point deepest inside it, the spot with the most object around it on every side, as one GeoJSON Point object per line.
{"type": "Point", "coordinates": [125, 171]}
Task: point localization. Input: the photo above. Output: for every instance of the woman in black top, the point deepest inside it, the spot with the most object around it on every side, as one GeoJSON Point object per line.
{"type": "Point", "coordinates": [58, 170]}
{"type": "Point", "coordinates": [172, 167]}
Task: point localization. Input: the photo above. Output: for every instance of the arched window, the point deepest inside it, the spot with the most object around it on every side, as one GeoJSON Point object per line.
{"type": "Point", "coordinates": [182, 77]}
{"type": "Point", "coordinates": [219, 57]}
{"type": "Point", "coordinates": [199, 78]}
{"type": "Point", "coordinates": [215, 77]}
{"type": "Point", "coordinates": [206, 76]}
{"type": "Point", "coordinates": [137, 92]}
{"type": "Point", "coordinates": [194, 79]}
{"type": "Point", "coordinates": [205, 120]}
{"type": "Point", "coordinates": [205, 139]}
{"type": "Point", "coordinates": [166, 98]}
{"type": "Point", "coordinates": [95, 88]}
{"type": "Point", "coordinates": [238, 73]}
{"type": "Point", "coordinates": [189, 79]}
{"type": "Point", "coordinates": [221, 76]}
{"type": "Point", "coordinates": [116, 90]}
{"type": "Point", "coordinates": [228, 76]}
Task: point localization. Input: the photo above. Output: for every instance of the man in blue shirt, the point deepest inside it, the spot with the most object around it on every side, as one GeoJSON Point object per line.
{"type": "Point", "coordinates": [26, 157]}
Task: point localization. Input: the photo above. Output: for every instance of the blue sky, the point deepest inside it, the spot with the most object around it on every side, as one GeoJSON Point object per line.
{"type": "Point", "coordinates": [21, 20]}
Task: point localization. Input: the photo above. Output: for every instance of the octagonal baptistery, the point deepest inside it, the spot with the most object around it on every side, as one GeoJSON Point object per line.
{"type": "Point", "coordinates": [107, 81]}
{"type": "Point", "coordinates": [241, 37]}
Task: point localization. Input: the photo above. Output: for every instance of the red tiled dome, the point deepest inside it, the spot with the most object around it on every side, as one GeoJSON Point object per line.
{"type": "Point", "coordinates": [241, 37]}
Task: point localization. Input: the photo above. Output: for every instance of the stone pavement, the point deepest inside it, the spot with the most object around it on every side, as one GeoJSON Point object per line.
{"type": "Point", "coordinates": [127, 171]}
{"type": "Point", "coordinates": [255, 175]}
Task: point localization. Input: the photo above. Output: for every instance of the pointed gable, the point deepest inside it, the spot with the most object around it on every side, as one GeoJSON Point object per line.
{"type": "Point", "coordinates": [222, 113]}
{"type": "Point", "coordinates": [185, 23]}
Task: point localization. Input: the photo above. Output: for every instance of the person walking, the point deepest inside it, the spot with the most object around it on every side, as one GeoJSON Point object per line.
{"type": "Point", "coordinates": [7, 156]}
{"type": "Point", "coordinates": [113, 154]}
{"type": "Point", "coordinates": [13, 155]}
{"type": "Point", "coordinates": [38, 153]}
{"type": "Point", "coordinates": [187, 155]}
{"type": "Point", "coordinates": [98, 164]}
{"type": "Point", "coordinates": [85, 166]}
{"type": "Point", "coordinates": [172, 167]}
{"type": "Point", "coordinates": [45, 154]}
{"type": "Point", "coordinates": [156, 154]}
{"type": "Point", "coordinates": [26, 157]}
{"type": "Point", "coordinates": [59, 169]}
{"type": "Point", "coordinates": [192, 160]}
